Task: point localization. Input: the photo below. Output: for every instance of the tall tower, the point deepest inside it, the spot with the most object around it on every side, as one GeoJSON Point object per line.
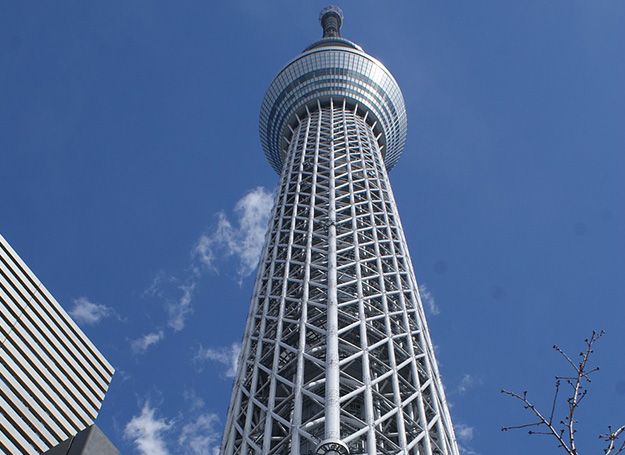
{"type": "Point", "coordinates": [336, 357]}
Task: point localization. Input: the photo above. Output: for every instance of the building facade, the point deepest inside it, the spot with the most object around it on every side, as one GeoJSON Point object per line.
{"type": "Point", "coordinates": [52, 378]}
{"type": "Point", "coordinates": [336, 357]}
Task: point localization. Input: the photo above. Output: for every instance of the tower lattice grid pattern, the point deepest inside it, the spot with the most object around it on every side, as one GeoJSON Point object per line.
{"type": "Point", "coordinates": [336, 357]}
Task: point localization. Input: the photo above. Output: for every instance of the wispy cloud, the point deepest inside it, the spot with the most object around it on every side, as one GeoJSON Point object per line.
{"type": "Point", "coordinates": [140, 345]}
{"type": "Point", "coordinates": [147, 432]}
{"type": "Point", "coordinates": [464, 450]}
{"type": "Point", "coordinates": [160, 282]}
{"type": "Point", "coordinates": [468, 382]}
{"type": "Point", "coordinates": [464, 432]}
{"type": "Point", "coordinates": [243, 239]}
{"type": "Point", "coordinates": [195, 401]}
{"type": "Point", "coordinates": [200, 437]}
{"type": "Point", "coordinates": [176, 295]}
{"type": "Point", "coordinates": [181, 309]}
{"type": "Point", "coordinates": [428, 299]}
{"type": "Point", "coordinates": [87, 312]}
{"type": "Point", "coordinates": [195, 432]}
{"type": "Point", "coordinates": [227, 356]}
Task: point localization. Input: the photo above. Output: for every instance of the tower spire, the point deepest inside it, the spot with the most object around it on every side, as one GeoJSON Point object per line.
{"type": "Point", "coordinates": [331, 18]}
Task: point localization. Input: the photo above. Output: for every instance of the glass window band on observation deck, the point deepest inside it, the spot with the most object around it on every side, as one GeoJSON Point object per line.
{"type": "Point", "coordinates": [333, 72]}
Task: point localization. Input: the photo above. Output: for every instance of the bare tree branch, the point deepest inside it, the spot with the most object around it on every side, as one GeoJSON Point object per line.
{"type": "Point", "coordinates": [542, 420]}
{"type": "Point", "coordinates": [579, 383]}
{"type": "Point", "coordinates": [612, 437]}
{"type": "Point", "coordinates": [555, 400]}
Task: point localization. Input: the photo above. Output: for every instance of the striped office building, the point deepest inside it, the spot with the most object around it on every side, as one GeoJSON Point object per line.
{"type": "Point", "coordinates": [52, 378]}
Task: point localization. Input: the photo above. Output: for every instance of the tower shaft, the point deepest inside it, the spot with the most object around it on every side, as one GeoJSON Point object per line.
{"type": "Point", "coordinates": [336, 355]}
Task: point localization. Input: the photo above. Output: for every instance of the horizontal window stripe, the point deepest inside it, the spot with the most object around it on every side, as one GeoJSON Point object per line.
{"type": "Point", "coordinates": [62, 384]}
{"type": "Point", "coordinates": [38, 331]}
{"type": "Point", "coordinates": [32, 410]}
{"type": "Point", "coordinates": [45, 327]}
{"type": "Point", "coordinates": [20, 268]}
{"type": "Point", "coordinates": [45, 310]}
{"type": "Point", "coordinates": [23, 372]}
{"type": "Point", "coordinates": [52, 378]}
{"type": "Point", "coordinates": [15, 438]}
{"type": "Point", "coordinates": [23, 426]}
{"type": "Point", "coordinates": [42, 406]}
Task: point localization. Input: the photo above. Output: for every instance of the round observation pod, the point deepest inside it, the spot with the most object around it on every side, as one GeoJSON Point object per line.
{"type": "Point", "coordinates": [333, 68]}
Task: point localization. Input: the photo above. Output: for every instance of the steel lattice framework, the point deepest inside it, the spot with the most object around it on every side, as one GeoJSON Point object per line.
{"type": "Point", "coordinates": [336, 357]}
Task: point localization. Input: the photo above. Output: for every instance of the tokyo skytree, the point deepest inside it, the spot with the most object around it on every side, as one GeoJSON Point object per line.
{"type": "Point", "coordinates": [336, 357]}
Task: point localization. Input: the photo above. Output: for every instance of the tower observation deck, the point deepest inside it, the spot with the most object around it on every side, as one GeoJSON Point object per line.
{"type": "Point", "coordinates": [336, 357]}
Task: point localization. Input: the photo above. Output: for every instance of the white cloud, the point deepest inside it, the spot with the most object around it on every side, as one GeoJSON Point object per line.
{"type": "Point", "coordinates": [200, 437]}
{"type": "Point", "coordinates": [196, 402]}
{"type": "Point", "coordinates": [207, 243]}
{"type": "Point", "coordinates": [464, 432]}
{"type": "Point", "coordinates": [467, 382]}
{"type": "Point", "coordinates": [160, 281]}
{"type": "Point", "coordinates": [180, 310]}
{"type": "Point", "coordinates": [147, 432]}
{"type": "Point", "coordinates": [197, 436]}
{"type": "Point", "coordinates": [177, 297]}
{"type": "Point", "coordinates": [428, 299]}
{"type": "Point", "coordinates": [87, 312]}
{"type": "Point", "coordinates": [140, 345]}
{"type": "Point", "coordinates": [245, 240]}
{"type": "Point", "coordinates": [228, 356]}
{"type": "Point", "coordinates": [465, 450]}
{"type": "Point", "coordinates": [464, 435]}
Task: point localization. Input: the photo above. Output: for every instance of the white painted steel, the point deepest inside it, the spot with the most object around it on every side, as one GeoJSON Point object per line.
{"type": "Point", "coordinates": [336, 356]}
{"type": "Point", "coordinates": [332, 369]}
{"type": "Point", "coordinates": [52, 378]}
{"type": "Point", "coordinates": [336, 353]}
{"type": "Point", "coordinates": [333, 67]}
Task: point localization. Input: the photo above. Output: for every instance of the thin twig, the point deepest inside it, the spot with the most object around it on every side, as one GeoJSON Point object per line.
{"type": "Point", "coordinates": [555, 399]}
{"type": "Point", "coordinates": [579, 391]}
{"type": "Point", "coordinates": [612, 437]}
{"type": "Point", "coordinates": [543, 421]}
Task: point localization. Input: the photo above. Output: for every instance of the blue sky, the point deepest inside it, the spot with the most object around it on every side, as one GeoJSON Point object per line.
{"type": "Point", "coordinates": [132, 182]}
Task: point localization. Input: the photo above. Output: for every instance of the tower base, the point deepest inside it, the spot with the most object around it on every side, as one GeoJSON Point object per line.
{"type": "Point", "coordinates": [332, 447]}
